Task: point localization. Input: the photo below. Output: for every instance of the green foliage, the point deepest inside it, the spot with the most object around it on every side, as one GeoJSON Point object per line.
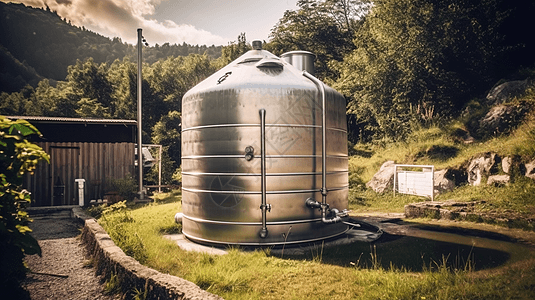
{"type": "Point", "coordinates": [12, 104]}
{"type": "Point", "coordinates": [232, 51]}
{"type": "Point", "coordinates": [420, 61]}
{"type": "Point", "coordinates": [17, 157]}
{"type": "Point", "coordinates": [117, 217]}
{"type": "Point", "coordinates": [91, 108]}
{"type": "Point", "coordinates": [400, 268]}
{"type": "Point", "coordinates": [37, 44]}
{"type": "Point", "coordinates": [177, 175]}
{"type": "Point", "coordinates": [125, 187]}
{"type": "Point", "coordinates": [325, 28]}
{"type": "Point", "coordinates": [112, 286]}
{"type": "Point", "coordinates": [167, 132]}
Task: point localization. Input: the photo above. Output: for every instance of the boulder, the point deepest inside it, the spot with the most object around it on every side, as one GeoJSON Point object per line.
{"type": "Point", "coordinates": [506, 91]}
{"type": "Point", "coordinates": [530, 170]}
{"type": "Point", "coordinates": [442, 183]}
{"type": "Point", "coordinates": [481, 165]}
{"type": "Point", "coordinates": [383, 180]}
{"type": "Point", "coordinates": [507, 163]}
{"type": "Point", "coordinates": [502, 118]}
{"type": "Point", "coordinates": [498, 179]}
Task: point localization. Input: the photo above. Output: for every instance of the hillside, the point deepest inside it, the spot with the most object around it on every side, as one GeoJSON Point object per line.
{"type": "Point", "coordinates": [37, 44]}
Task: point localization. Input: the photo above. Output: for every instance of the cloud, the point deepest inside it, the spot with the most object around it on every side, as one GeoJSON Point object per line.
{"type": "Point", "coordinates": [122, 18]}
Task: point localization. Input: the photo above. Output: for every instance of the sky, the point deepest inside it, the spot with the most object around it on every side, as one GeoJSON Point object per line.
{"type": "Point", "coordinates": [201, 22]}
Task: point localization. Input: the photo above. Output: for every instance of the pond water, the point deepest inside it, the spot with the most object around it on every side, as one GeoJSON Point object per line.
{"type": "Point", "coordinates": [419, 247]}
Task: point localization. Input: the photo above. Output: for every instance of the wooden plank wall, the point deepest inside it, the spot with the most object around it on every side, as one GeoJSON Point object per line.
{"type": "Point", "coordinates": [94, 162]}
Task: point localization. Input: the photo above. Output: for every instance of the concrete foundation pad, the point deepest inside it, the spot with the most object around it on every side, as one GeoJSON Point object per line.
{"type": "Point", "coordinates": [358, 232]}
{"type": "Point", "coordinates": [188, 245]}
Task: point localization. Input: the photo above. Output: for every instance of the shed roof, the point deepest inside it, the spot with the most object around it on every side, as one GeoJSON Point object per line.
{"type": "Point", "coordinates": [59, 129]}
{"type": "Point", "coordinates": [73, 120]}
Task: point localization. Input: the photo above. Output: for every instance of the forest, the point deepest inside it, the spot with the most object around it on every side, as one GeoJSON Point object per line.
{"type": "Point", "coordinates": [399, 63]}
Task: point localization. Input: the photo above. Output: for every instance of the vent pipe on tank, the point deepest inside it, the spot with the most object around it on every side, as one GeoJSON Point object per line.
{"type": "Point", "coordinates": [302, 60]}
{"type": "Point", "coordinates": [257, 45]}
{"type": "Point", "coordinates": [335, 215]}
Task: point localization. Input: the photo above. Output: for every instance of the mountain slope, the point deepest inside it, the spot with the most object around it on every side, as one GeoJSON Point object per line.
{"type": "Point", "coordinates": [45, 45]}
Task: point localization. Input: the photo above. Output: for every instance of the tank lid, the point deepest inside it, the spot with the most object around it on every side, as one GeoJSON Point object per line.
{"type": "Point", "coordinates": [257, 45]}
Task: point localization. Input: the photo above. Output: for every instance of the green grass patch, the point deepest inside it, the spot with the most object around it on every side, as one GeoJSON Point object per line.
{"type": "Point", "coordinates": [443, 147]}
{"type": "Point", "coordinates": [394, 269]}
{"type": "Point", "coordinates": [363, 200]}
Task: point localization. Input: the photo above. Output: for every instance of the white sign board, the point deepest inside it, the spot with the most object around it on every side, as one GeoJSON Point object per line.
{"type": "Point", "coordinates": [412, 182]}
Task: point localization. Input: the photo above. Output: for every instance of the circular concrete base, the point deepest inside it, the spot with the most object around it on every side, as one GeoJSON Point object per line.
{"type": "Point", "coordinates": [358, 232]}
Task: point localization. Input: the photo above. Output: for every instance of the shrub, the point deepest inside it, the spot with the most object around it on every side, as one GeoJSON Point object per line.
{"type": "Point", "coordinates": [17, 157]}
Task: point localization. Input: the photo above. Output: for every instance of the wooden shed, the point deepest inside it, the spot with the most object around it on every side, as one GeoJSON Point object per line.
{"type": "Point", "coordinates": [96, 150]}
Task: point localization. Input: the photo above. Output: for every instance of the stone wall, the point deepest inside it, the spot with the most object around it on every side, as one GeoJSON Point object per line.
{"type": "Point", "coordinates": [110, 260]}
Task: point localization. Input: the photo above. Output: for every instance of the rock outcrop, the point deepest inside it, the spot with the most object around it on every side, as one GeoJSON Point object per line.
{"type": "Point", "coordinates": [501, 119]}
{"type": "Point", "coordinates": [498, 179]}
{"type": "Point", "coordinates": [506, 91]}
{"type": "Point", "coordinates": [480, 166]}
{"type": "Point", "coordinates": [530, 170]}
{"type": "Point", "coordinates": [383, 180]}
{"type": "Point", "coordinates": [442, 183]}
{"type": "Point", "coordinates": [485, 166]}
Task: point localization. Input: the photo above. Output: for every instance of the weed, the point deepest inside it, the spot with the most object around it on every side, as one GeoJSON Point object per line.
{"type": "Point", "coordinates": [171, 229]}
{"type": "Point", "coordinates": [285, 236]}
{"type": "Point", "coordinates": [88, 263]}
{"type": "Point", "coordinates": [376, 265]}
{"type": "Point", "coordinates": [112, 285]}
{"type": "Point", "coordinates": [317, 254]}
{"type": "Point", "coordinates": [124, 187]}
{"type": "Point", "coordinates": [96, 210]}
{"type": "Point", "coordinates": [141, 294]}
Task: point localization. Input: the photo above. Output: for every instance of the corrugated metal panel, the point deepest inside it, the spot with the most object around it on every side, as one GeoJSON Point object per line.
{"type": "Point", "coordinates": [73, 120]}
{"type": "Point", "coordinates": [94, 162]}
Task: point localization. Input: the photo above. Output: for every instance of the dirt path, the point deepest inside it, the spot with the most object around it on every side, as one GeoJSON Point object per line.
{"type": "Point", "coordinates": [63, 255]}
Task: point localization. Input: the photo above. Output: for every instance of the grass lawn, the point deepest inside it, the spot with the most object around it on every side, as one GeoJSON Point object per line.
{"type": "Point", "coordinates": [359, 271]}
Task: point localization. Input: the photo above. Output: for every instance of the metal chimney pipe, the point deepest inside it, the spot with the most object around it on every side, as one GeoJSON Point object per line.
{"type": "Point", "coordinates": [139, 115]}
{"type": "Point", "coordinates": [302, 60]}
{"type": "Point", "coordinates": [257, 45]}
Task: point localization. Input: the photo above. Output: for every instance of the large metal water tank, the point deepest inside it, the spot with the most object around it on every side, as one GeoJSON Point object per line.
{"type": "Point", "coordinates": [232, 193]}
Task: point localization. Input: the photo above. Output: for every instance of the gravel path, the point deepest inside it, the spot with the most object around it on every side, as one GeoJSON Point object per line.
{"type": "Point", "coordinates": [58, 236]}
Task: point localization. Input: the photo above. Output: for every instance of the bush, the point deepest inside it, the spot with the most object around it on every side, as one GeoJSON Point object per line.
{"type": "Point", "coordinates": [17, 157]}
{"type": "Point", "coordinates": [124, 187]}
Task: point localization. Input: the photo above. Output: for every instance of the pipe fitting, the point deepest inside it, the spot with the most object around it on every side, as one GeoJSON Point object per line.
{"type": "Point", "coordinates": [312, 203]}
{"type": "Point", "coordinates": [328, 215]}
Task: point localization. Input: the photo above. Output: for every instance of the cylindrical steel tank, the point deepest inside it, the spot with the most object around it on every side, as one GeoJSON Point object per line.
{"type": "Point", "coordinates": [222, 189]}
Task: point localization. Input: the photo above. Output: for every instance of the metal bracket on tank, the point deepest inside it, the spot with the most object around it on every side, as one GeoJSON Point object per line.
{"type": "Point", "coordinates": [249, 153]}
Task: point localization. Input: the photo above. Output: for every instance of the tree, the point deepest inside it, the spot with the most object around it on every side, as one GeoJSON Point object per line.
{"type": "Point", "coordinates": [166, 132]}
{"type": "Point", "coordinates": [232, 51]}
{"type": "Point", "coordinates": [122, 75]}
{"type": "Point", "coordinates": [325, 28]}
{"type": "Point", "coordinates": [170, 79]}
{"type": "Point", "coordinates": [17, 157]}
{"type": "Point", "coordinates": [91, 108]}
{"type": "Point", "coordinates": [42, 101]}
{"type": "Point", "coordinates": [420, 60]}
{"type": "Point", "coordinates": [89, 80]}
{"type": "Point", "coordinates": [12, 104]}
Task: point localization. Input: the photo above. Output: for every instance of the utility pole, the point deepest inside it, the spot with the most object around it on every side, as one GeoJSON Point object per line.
{"type": "Point", "coordinates": [139, 114]}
